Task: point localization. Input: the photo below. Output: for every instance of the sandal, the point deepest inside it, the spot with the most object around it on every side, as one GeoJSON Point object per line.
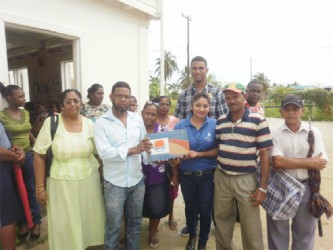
{"type": "Point", "coordinates": [33, 238]}
{"type": "Point", "coordinates": [154, 242]}
{"type": "Point", "coordinates": [23, 236]}
{"type": "Point", "coordinates": [172, 224]}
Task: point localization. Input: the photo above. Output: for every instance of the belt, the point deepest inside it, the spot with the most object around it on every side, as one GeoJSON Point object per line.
{"type": "Point", "coordinates": [302, 181]}
{"type": "Point", "coordinates": [198, 173]}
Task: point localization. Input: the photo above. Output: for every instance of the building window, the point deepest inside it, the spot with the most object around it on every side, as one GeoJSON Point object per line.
{"type": "Point", "coordinates": [20, 77]}
{"type": "Point", "coordinates": [67, 74]}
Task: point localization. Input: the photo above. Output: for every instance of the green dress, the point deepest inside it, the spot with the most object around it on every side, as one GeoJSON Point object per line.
{"type": "Point", "coordinates": [75, 208]}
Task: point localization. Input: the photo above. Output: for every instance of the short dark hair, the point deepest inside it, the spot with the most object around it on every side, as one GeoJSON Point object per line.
{"type": "Point", "coordinates": [93, 88]}
{"type": "Point", "coordinates": [199, 59]}
{"type": "Point", "coordinates": [65, 93]}
{"type": "Point", "coordinates": [164, 97]}
{"type": "Point", "coordinates": [253, 81]}
{"type": "Point", "coordinates": [134, 98]}
{"type": "Point", "coordinates": [120, 85]}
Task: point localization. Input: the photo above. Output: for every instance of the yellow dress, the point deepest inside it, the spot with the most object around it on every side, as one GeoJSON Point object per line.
{"type": "Point", "coordinates": [75, 208]}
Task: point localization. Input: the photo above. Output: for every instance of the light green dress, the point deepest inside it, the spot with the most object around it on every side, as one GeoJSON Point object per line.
{"type": "Point", "coordinates": [75, 208]}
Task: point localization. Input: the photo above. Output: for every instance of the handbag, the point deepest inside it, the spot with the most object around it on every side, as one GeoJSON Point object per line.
{"type": "Point", "coordinates": [49, 153]}
{"type": "Point", "coordinates": [284, 194]}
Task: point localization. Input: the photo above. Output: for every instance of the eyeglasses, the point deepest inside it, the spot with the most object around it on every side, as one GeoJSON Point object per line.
{"type": "Point", "coordinates": [126, 97]}
{"type": "Point", "coordinates": [156, 104]}
{"type": "Point", "coordinates": [69, 101]}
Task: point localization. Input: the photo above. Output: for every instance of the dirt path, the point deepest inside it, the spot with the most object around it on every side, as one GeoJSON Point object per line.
{"type": "Point", "coordinates": [171, 240]}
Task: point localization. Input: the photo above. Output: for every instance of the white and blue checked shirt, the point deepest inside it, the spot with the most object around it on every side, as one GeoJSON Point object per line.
{"type": "Point", "coordinates": [218, 106]}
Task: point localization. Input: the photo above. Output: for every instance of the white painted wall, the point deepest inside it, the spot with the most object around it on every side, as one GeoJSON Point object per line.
{"type": "Point", "coordinates": [111, 39]}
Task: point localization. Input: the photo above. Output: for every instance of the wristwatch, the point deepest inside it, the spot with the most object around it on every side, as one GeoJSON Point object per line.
{"type": "Point", "coordinates": [263, 190]}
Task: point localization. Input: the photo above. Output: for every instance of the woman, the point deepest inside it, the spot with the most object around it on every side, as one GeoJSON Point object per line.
{"type": "Point", "coordinates": [156, 200]}
{"type": "Point", "coordinates": [197, 169]}
{"type": "Point", "coordinates": [94, 107]}
{"type": "Point", "coordinates": [72, 193]}
{"type": "Point", "coordinates": [9, 204]}
{"type": "Point", "coordinates": [169, 121]}
{"type": "Point", "coordinates": [15, 119]}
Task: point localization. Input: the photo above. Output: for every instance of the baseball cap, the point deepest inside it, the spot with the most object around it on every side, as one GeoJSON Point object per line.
{"type": "Point", "coordinates": [292, 99]}
{"type": "Point", "coordinates": [235, 87]}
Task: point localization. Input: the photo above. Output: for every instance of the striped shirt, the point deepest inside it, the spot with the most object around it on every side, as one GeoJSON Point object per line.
{"type": "Point", "coordinates": [239, 142]}
{"type": "Point", "coordinates": [218, 106]}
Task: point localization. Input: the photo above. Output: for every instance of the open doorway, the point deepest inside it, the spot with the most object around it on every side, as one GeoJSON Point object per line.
{"type": "Point", "coordinates": [40, 62]}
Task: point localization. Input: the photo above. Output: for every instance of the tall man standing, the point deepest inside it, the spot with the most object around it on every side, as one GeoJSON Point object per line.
{"type": "Point", "coordinates": [240, 134]}
{"type": "Point", "coordinates": [290, 153]}
{"type": "Point", "coordinates": [218, 107]}
{"type": "Point", "coordinates": [199, 73]}
{"type": "Point", "coordinates": [120, 141]}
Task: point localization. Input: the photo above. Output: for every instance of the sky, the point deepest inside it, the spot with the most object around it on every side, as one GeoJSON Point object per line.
{"type": "Point", "coordinates": [287, 40]}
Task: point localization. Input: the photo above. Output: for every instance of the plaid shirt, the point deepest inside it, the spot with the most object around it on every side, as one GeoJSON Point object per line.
{"type": "Point", "coordinates": [218, 106]}
{"type": "Point", "coordinates": [284, 194]}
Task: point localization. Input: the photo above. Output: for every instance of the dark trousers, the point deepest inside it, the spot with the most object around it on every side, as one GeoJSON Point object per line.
{"type": "Point", "coordinates": [198, 193]}
{"type": "Point", "coordinates": [29, 180]}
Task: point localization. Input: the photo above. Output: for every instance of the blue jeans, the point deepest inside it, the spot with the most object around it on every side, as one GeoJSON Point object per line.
{"type": "Point", "coordinates": [127, 199]}
{"type": "Point", "coordinates": [198, 193]}
{"type": "Point", "coordinates": [29, 180]}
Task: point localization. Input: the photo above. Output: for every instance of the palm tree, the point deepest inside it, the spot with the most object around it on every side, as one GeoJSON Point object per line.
{"type": "Point", "coordinates": [183, 79]}
{"type": "Point", "coordinates": [263, 80]}
{"type": "Point", "coordinates": [170, 65]}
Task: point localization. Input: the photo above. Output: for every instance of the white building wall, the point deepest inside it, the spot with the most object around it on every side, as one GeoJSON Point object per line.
{"type": "Point", "coordinates": [111, 45]}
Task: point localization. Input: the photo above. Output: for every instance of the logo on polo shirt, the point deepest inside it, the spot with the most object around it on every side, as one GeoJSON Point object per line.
{"type": "Point", "coordinates": [209, 137]}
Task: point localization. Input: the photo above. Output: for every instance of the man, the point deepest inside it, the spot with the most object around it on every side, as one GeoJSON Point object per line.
{"type": "Point", "coordinates": [290, 153]}
{"type": "Point", "coordinates": [120, 141]}
{"type": "Point", "coordinates": [218, 107]}
{"type": "Point", "coordinates": [254, 92]}
{"type": "Point", "coordinates": [240, 134]}
{"type": "Point", "coordinates": [199, 72]}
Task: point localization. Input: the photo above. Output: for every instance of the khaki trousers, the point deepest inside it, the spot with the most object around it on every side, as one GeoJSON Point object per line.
{"type": "Point", "coordinates": [229, 188]}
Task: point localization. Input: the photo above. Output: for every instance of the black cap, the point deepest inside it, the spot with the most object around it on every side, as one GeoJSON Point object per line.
{"type": "Point", "coordinates": [292, 99]}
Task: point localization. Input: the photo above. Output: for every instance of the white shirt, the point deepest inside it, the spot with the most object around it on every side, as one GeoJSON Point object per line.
{"type": "Point", "coordinates": [112, 141]}
{"type": "Point", "coordinates": [295, 145]}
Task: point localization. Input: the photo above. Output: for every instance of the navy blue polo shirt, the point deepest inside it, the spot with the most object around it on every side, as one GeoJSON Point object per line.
{"type": "Point", "coordinates": [200, 140]}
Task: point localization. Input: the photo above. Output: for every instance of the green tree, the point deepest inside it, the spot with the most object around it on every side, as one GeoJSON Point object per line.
{"type": "Point", "coordinates": [277, 93]}
{"type": "Point", "coordinates": [211, 78]}
{"type": "Point", "coordinates": [263, 80]}
{"type": "Point", "coordinates": [323, 99]}
{"type": "Point", "coordinates": [183, 79]}
{"type": "Point", "coordinates": [154, 87]}
{"type": "Point", "coordinates": [170, 65]}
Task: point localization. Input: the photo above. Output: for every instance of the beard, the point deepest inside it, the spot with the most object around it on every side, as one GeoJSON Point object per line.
{"type": "Point", "coordinates": [120, 109]}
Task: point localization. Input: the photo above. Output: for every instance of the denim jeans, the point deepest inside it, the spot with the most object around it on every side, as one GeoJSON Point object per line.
{"type": "Point", "coordinates": [119, 199]}
{"type": "Point", "coordinates": [198, 193]}
{"type": "Point", "coordinates": [29, 180]}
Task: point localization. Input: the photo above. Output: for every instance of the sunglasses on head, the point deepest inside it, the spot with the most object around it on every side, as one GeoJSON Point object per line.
{"type": "Point", "coordinates": [156, 104]}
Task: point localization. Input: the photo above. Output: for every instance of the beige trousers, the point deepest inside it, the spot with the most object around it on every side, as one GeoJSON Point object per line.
{"type": "Point", "coordinates": [229, 188]}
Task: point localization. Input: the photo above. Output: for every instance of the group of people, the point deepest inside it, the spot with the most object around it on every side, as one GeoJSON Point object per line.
{"type": "Point", "coordinates": [101, 181]}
